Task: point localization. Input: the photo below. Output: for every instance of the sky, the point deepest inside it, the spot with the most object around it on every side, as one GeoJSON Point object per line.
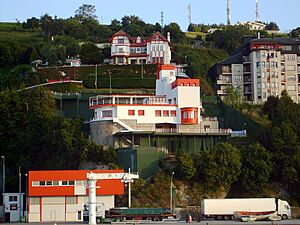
{"type": "Point", "coordinates": [283, 12]}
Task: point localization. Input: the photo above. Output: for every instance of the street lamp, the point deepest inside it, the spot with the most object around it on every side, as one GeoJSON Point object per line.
{"type": "Point", "coordinates": [3, 173]}
{"type": "Point", "coordinates": [171, 193]}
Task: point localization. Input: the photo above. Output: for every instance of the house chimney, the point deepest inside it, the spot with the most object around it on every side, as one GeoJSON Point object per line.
{"type": "Point", "coordinates": [168, 37]}
{"type": "Point", "coordinates": [258, 35]}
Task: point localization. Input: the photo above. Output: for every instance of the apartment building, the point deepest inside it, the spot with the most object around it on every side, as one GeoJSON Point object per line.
{"type": "Point", "coordinates": [261, 68]}
{"type": "Point", "coordinates": [140, 50]}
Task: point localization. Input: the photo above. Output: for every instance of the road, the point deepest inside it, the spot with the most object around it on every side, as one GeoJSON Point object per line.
{"type": "Point", "coordinates": [282, 222]}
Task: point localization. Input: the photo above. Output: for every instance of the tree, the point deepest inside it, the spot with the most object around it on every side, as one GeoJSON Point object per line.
{"type": "Point", "coordinates": [256, 168]}
{"type": "Point", "coordinates": [85, 12]}
{"type": "Point", "coordinates": [90, 54]}
{"type": "Point", "coordinates": [177, 36]}
{"type": "Point", "coordinates": [272, 26]}
{"type": "Point", "coordinates": [233, 95]}
{"type": "Point", "coordinates": [47, 24]}
{"type": "Point", "coordinates": [32, 23]}
{"type": "Point", "coordinates": [295, 33]}
{"type": "Point", "coordinates": [220, 166]}
{"type": "Point", "coordinates": [186, 166]}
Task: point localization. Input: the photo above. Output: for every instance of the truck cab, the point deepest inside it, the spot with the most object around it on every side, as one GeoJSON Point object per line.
{"type": "Point", "coordinates": [284, 209]}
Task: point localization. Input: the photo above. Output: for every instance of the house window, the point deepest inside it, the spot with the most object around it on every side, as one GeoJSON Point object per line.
{"type": "Point", "coordinates": [161, 47]}
{"type": "Point", "coordinates": [120, 60]}
{"type": "Point", "coordinates": [130, 112]}
{"type": "Point", "coordinates": [121, 40]}
{"type": "Point", "coordinates": [121, 50]}
{"type": "Point", "coordinates": [158, 113]}
{"type": "Point", "coordinates": [141, 112]}
{"type": "Point", "coordinates": [173, 113]}
{"type": "Point", "coordinates": [13, 198]}
{"type": "Point", "coordinates": [166, 113]}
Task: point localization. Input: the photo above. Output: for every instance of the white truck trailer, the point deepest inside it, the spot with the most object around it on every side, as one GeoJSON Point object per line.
{"type": "Point", "coordinates": [220, 209]}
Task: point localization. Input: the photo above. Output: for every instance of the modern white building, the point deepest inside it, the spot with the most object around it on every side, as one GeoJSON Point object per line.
{"type": "Point", "coordinates": [139, 50]}
{"type": "Point", "coordinates": [175, 108]}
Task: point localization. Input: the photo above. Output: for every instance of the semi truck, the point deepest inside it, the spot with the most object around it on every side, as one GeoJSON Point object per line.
{"type": "Point", "coordinates": [221, 209]}
{"type": "Point", "coordinates": [124, 213]}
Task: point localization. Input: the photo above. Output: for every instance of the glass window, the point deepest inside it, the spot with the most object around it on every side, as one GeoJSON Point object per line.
{"type": "Point", "coordinates": [42, 183]}
{"type": "Point", "coordinates": [49, 183]}
{"type": "Point", "coordinates": [55, 183]}
{"type": "Point", "coordinates": [13, 198]}
{"type": "Point", "coordinates": [64, 183]}
{"type": "Point", "coordinates": [35, 183]}
{"type": "Point", "coordinates": [141, 112]}
{"type": "Point", "coordinates": [173, 113]}
{"type": "Point", "coordinates": [158, 113]}
{"type": "Point", "coordinates": [71, 182]}
{"type": "Point", "coordinates": [166, 113]}
{"type": "Point", "coordinates": [106, 113]}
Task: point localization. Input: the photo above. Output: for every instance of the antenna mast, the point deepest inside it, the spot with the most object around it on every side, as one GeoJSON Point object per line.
{"type": "Point", "coordinates": [189, 8]}
{"type": "Point", "coordinates": [162, 21]}
{"type": "Point", "coordinates": [257, 11]}
{"type": "Point", "coordinates": [228, 13]}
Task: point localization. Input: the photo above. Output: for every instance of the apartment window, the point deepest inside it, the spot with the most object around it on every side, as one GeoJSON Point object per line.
{"type": "Point", "coordinates": [158, 113]}
{"type": "Point", "coordinates": [258, 75]}
{"type": "Point", "coordinates": [165, 113]}
{"type": "Point", "coordinates": [173, 113]}
{"type": "Point", "coordinates": [257, 64]}
{"type": "Point", "coordinates": [272, 85]}
{"type": "Point", "coordinates": [263, 64]}
{"type": "Point", "coordinates": [263, 54]}
{"type": "Point", "coordinates": [71, 200]}
{"type": "Point", "coordinates": [272, 64]}
{"type": "Point", "coordinates": [257, 55]}
{"type": "Point", "coordinates": [291, 78]}
{"type": "Point", "coordinates": [141, 112]}
{"type": "Point", "coordinates": [13, 198]}
{"type": "Point", "coordinates": [290, 57]}
{"type": "Point", "coordinates": [106, 113]}
{"type": "Point", "coordinates": [263, 85]}
{"type": "Point", "coordinates": [290, 68]}
{"type": "Point", "coordinates": [258, 85]}
{"type": "Point", "coordinates": [263, 74]}
{"type": "Point", "coordinates": [130, 112]}
{"type": "Point", "coordinates": [291, 88]}
{"type": "Point", "coordinates": [273, 74]}
{"type": "Point", "coordinates": [55, 183]}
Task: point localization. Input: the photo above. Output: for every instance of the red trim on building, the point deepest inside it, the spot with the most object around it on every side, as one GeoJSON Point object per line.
{"type": "Point", "coordinates": [186, 83]}
{"type": "Point", "coordinates": [161, 67]}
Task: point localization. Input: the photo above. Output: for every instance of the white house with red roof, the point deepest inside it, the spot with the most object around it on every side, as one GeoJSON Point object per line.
{"type": "Point", "coordinates": [139, 50]}
{"type": "Point", "coordinates": [175, 108]}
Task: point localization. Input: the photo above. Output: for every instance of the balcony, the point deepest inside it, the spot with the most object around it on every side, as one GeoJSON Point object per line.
{"type": "Point", "coordinates": [224, 81]}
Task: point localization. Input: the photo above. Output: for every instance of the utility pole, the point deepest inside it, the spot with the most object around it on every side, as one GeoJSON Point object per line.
{"type": "Point", "coordinates": [109, 72]}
